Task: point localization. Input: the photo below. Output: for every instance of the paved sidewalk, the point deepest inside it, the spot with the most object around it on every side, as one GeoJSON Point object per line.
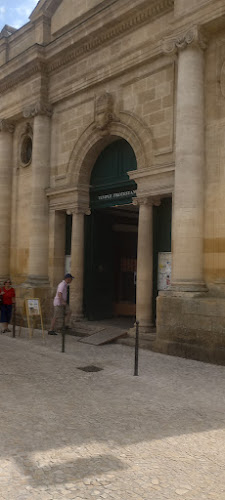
{"type": "Point", "coordinates": [67, 434]}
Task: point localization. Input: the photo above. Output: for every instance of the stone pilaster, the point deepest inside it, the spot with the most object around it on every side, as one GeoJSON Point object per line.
{"type": "Point", "coordinates": [187, 245]}
{"type": "Point", "coordinates": [145, 264]}
{"type": "Point", "coordinates": [77, 262]}
{"type": "Point", "coordinates": [39, 214]}
{"type": "Point", "coordinates": [6, 169]}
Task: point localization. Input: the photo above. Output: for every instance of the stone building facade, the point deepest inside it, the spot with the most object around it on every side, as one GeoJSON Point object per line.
{"type": "Point", "coordinates": [75, 81]}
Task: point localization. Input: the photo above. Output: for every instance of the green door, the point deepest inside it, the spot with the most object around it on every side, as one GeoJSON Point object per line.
{"type": "Point", "coordinates": [98, 276]}
{"type": "Point", "coordinates": [109, 186]}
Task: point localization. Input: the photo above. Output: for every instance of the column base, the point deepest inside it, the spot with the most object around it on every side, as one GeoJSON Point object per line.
{"type": "Point", "coordinates": [3, 278]}
{"type": "Point", "coordinates": [76, 318]}
{"type": "Point", "coordinates": [146, 331]}
{"type": "Point", "coordinates": [188, 286]}
{"type": "Point", "coordinates": [217, 289]}
{"type": "Point", "coordinates": [36, 281]}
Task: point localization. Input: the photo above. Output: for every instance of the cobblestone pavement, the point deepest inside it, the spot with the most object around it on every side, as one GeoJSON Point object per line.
{"type": "Point", "coordinates": [68, 434]}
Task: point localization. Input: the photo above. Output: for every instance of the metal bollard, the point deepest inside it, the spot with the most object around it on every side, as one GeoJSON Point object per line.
{"type": "Point", "coordinates": [64, 331]}
{"type": "Point", "coordinates": [14, 320]}
{"type": "Point", "coordinates": [136, 350]}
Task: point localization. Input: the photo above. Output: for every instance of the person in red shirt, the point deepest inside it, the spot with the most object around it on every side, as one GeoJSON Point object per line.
{"type": "Point", "coordinates": [8, 294]}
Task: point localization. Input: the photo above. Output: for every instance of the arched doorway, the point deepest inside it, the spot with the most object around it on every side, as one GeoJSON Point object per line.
{"type": "Point", "coordinates": [111, 235]}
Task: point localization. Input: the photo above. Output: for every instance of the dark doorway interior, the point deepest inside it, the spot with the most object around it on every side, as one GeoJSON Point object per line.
{"type": "Point", "coordinates": [110, 263]}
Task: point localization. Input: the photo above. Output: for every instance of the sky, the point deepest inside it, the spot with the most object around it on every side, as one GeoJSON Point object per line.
{"type": "Point", "coordinates": [15, 12]}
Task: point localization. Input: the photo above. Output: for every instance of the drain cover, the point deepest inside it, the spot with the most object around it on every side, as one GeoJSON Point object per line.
{"type": "Point", "coordinates": [90, 368]}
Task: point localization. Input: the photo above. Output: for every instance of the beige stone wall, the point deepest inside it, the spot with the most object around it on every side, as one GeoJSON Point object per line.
{"type": "Point", "coordinates": [21, 41]}
{"type": "Point", "coordinates": [21, 204]}
{"type": "Point", "coordinates": [69, 11]}
{"type": "Point", "coordinates": [152, 98]}
{"type": "Point", "coordinates": [214, 243]}
{"type": "Point", "coordinates": [107, 62]}
{"type": "Point", "coordinates": [184, 7]}
{"type": "Point", "coordinates": [22, 96]}
{"type": "Point", "coordinates": [147, 92]}
{"type": "Point", "coordinates": [68, 123]}
{"type": "Point", "coordinates": [2, 52]}
{"type": "Point", "coordinates": [23, 221]}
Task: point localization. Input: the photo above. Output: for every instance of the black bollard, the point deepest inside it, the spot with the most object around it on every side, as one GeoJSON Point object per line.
{"type": "Point", "coordinates": [14, 320]}
{"type": "Point", "coordinates": [136, 350]}
{"type": "Point", "coordinates": [63, 330]}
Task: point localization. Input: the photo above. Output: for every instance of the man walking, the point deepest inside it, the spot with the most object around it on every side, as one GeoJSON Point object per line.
{"type": "Point", "coordinates": [60, 303]}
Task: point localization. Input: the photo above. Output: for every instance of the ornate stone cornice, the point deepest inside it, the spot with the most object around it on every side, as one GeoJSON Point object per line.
{"type": "Point", "coordinates": [7, 126]}
{"type": "Point", "coordinates": [38, 109]}
{"type": "Point", "coordinates": [111, 32]}
{"type": "Point", "coordinates": [22, 74]}
{"type": "Point", "coordinates": [191, 37]}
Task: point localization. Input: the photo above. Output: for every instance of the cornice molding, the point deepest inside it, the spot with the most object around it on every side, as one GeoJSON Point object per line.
{"type": "Point", "coordinates": [109, 33]}
{"type": "Point", "coordinates": [152, 170]}
{"type": "Point", "coordinates": [180, 41]}
{"type": "Point", "coordinates": [23, 74]}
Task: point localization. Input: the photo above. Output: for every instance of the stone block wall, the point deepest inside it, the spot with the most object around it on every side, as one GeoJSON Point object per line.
{"type": "Point", "coordinates": [68, 123]}
{"type": "Point", "coordinates": [191, 327]}
{"type": "Point", "coordinates": [151, 97]}
{"type": "Point", "coordinates": [70, 11]}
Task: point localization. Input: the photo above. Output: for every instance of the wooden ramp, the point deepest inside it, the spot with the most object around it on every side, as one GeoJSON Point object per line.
{"type": "Point", "coordinates": [104, 335]}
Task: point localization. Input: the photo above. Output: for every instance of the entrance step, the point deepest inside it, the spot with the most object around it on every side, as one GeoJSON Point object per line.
{"type": "Point", "coordinates": [85, 328]}
{"type": "Point", "coordinates": [146, 341]}
{"type": "Point", "coordinates": [104, 335]}
{"type": "Point", "coordinates": [99, 332]}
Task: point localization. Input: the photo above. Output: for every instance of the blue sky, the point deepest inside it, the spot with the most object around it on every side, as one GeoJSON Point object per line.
{"type": "Point", "coordinates": [15, 12]}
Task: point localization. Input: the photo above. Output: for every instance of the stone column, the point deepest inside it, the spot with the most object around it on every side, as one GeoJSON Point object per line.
{"type": "Point", "coordinates": [145, 265]}
{"type": "Point", "coordinates": [77, 263]}
{"type": "Point", "coordinates": [39, 213]}
{"type": "Point", "coordinates": [6, 170]}
{"type": "Point", "coordinates": [187, 245]}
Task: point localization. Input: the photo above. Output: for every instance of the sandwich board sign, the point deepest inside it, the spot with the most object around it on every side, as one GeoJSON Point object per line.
{"type": "Point", "coordinates": [33, 311]}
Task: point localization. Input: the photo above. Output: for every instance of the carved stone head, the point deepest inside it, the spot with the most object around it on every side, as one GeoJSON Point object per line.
{"type": "Point", "coordinates": [103, 111]}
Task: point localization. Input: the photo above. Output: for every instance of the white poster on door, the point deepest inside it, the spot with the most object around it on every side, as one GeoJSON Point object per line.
{"type": "Point", "coordinates": [164, 270]}
{"type": "Point", "coordinates": [67, 264]}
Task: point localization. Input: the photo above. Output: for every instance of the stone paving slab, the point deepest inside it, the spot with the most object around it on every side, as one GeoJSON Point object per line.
{"type": "Point", "coordinates": [68, 434]}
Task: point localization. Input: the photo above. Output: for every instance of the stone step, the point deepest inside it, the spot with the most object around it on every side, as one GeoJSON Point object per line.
{"type": "Point", "coordinates": [86, 329]}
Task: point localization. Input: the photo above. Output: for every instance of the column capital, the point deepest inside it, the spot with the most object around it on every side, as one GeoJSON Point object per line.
{"type": "Point", "coordinates": [7, 126]}
{"type": "Point", "coordinates": [79, 209]}
{"type": "Point", "coordinates": [193, 36]}
{"type": "Point", "coordinates": [147, 200]}
{"type": "Point", "coordinates": [39, 108]}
